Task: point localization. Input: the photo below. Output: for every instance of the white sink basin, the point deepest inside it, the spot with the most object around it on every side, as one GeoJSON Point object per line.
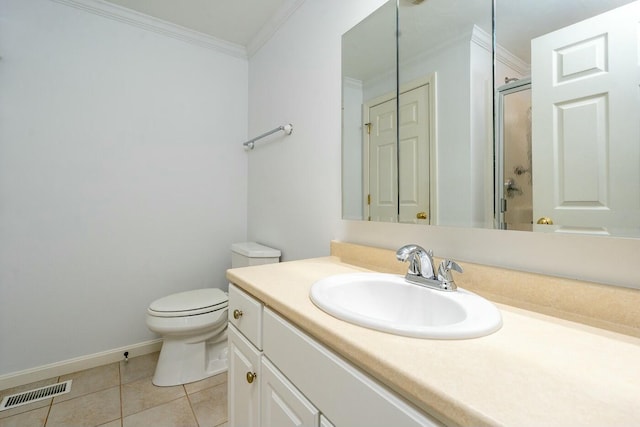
{"type": "Point", "coordinates": [387, 302]}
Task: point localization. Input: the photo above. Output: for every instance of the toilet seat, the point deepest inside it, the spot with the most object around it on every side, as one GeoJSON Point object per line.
{"type": "Point", "coordinates": [189, 303]}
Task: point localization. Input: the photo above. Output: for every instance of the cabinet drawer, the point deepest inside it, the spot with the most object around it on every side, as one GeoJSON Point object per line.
{"type": "Point", "coordinates": [332, 384]}
{"type": "Point", "coordinates": [245, 313]}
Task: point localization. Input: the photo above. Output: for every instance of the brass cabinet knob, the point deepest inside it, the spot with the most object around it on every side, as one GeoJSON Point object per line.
{"type": "Point", "coordinates": [251, 376]}
{"type": "Point", "coordinates": [545, 221]}
{"type": "Point", "coordinates": [237, 314]}
{"type": "Point", "coordinates": [421, 215]}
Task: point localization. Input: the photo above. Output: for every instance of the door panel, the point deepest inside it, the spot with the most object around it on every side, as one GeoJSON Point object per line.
{"type": "Point", "coordinates": [586, 131]}
{"type": "Point", "coordinates": [414, 156]}
{"type": "Point", "coordinates": [383, 167]}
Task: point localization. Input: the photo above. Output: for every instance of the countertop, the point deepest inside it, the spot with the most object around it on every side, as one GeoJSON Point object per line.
{"type": "Point", "coordinates": [537, 370]}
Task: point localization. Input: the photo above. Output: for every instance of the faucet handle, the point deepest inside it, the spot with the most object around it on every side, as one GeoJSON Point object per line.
{"type": "Point", "coordinates": [444, 273]}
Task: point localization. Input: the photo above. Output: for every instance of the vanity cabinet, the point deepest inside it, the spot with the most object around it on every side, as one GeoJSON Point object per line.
{"type": "Point", "coordinates": [282, 377]}
{"type": "Point", "coordinates": [259, 395]}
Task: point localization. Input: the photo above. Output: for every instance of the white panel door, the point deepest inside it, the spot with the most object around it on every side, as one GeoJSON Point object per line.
{"type": "Point", "coordinates": [414, 156]}
{"type": "Point", "coordinates": [586, 123]}
{"type": "Point", "coordinates": [283, 405]}
{"type": "Point", "coordinates": [383, 167]}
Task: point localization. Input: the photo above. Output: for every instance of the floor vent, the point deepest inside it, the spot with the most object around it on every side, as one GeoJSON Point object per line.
{"type": "Point", "coordinates": [31, 396]}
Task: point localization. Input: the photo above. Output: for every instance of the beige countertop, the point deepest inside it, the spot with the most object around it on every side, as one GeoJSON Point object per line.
{"type": "Point", "coordinates": [536, 370]}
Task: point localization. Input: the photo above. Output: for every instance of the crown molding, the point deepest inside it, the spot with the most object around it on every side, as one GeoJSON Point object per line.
{"type": "Point", "coordinates": [481, 38]}
{"type": "Point", "coordinates": [505, 57]}
{"type": "Point", "coordinates": [273, 25]}
{"type": "Point", "coordinates": [485, 40]}
{"type": "Point", "coordinates": [352, 83]}
{"type": "Point", "coordinates": [155, 25]}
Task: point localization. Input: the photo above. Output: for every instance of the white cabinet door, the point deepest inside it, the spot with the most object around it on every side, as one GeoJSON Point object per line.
{"type": "Point", "coordinates": [282, 404]}
{"type": "Point", "coordinates": [243, 381]}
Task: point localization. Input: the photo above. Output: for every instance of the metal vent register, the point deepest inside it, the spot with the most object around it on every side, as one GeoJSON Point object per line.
{"type": "Point", "coordinates": [34, 395]}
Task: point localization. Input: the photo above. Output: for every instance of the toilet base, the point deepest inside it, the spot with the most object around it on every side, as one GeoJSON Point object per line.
{"type": "Point", "coordinates": [183, 362]}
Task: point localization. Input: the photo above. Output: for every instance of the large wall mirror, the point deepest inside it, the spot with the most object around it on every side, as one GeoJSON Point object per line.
{"type": "Point", "coordinates": [541, 133]}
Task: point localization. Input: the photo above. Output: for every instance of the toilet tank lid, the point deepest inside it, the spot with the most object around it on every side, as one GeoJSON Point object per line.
{"type": "Point", "coordinates": [254, 250]}
{"type": "Point", "coordinates": [190, 300]}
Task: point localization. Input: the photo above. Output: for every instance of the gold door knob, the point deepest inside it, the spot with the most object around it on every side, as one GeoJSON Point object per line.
{"type": "Point", "coordinates": [237, 314]}
{"type": "Point", "coordinates": [545, 221]}
{"type": "Point", "coordinates": [251, 376]}
{"type": "Point", "coordinates": [421, 215]}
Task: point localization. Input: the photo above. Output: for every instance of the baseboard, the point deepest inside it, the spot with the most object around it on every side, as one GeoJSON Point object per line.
{"type": "Point", "coordinates": [64, 367]}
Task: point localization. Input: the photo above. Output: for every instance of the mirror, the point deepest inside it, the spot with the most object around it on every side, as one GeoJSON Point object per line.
{"type": "Point", "coordinates": [580, 181]}
{"type": "Point", "coordinates": [369, 86]}
{"type": "Point", "coordinates": [567, 117]}
{"type": "Point", "coordinates": [445, 75]}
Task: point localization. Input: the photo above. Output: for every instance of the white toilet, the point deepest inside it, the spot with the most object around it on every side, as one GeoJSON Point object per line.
{"type": "Point", "coordinates": [193, 324]}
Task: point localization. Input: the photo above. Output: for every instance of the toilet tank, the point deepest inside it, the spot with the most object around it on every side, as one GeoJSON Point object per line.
{"type": "Point", "coordinates": [251, 253]}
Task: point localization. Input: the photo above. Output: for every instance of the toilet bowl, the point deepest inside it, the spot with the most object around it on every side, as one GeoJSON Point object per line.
{"type": "Point", "coordinates": [193, 327]}
{"type": "Point", "coordinates": [193, 324]}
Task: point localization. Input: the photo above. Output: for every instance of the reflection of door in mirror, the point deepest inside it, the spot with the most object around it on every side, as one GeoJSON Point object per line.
{"type": "Point", "coordinates": [412, 188]}
{"type": "Point", "coordinates": [381, 161]}
{"type": "Point", "coordinates": [414, 156]}
{"type": "Point", "coordinates": [586, 130]}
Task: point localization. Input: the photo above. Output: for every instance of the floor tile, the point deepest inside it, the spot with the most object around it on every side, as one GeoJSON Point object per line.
{"type": "Point", "coordinates": [30, 406]}
{"type": "Point", "coordinates": [35, 418]}
{"type": "Point", "coordinates": [142, 394]}
{"type": "Point", "coordinates": [138, 367]}
{"type": "Point", "coordinates": [87, 411]}
{"type": "Point", "coordinates": [90, 381]}
{"type": "Point", "coordinates": [172, 414]}
{"type": "Point", "coordinates": [206, 383]}
{"type": "Point", "coordinates": [96, 396]}
{"type": "Point", "coordinates": [210, 405]}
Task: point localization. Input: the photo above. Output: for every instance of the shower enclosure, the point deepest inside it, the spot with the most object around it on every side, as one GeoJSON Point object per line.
{"type": "Point", "coordinates": [514, 196]}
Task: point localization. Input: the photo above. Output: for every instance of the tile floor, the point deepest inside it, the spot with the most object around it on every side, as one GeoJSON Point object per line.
{"type": "Point", "coordinates": [121, 395]}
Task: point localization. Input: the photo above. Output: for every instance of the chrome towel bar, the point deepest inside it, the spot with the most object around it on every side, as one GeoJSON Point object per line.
{"type": "Point", "coordinates": [251, 143]}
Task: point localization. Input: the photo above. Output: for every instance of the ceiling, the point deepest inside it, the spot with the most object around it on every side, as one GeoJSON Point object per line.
{"type": "Point", "coordinates": [246, 22]}
{"type": "Point", "coordinates": [236, 21]}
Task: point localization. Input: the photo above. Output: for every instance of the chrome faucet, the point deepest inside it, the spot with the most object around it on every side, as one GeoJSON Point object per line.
{"type": "Point", "coordinates": [422, 270]}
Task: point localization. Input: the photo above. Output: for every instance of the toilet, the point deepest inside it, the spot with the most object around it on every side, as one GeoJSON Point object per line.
{"type": "Point", "coordinates": [193, 324]}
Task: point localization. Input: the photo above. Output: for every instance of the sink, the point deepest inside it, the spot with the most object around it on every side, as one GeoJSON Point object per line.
{"type": "Point", "coordinates": [388, 303]}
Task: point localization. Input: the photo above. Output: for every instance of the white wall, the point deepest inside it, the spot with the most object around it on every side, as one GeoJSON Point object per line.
{"type": "Point", "coordinates": [294, 188]}
{"type": "Point", "coordinates": [122, 177]}
{"type": "Point", "coordinates": [294, 181]}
